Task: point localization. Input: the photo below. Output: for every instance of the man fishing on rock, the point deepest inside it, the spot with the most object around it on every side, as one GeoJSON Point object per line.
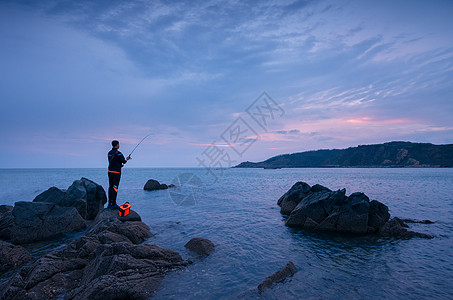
{"type": "Point", "coordinates": [116, 162]}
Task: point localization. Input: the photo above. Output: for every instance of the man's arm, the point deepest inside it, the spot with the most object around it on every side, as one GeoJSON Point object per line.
{"type": "Point", "coordinates": [123, 160]}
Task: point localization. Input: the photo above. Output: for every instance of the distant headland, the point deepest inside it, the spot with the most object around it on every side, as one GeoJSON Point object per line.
{"type": "Point", "coordinates": [387, 155]}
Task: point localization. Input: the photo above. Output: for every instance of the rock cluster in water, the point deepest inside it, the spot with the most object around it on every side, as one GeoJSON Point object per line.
{"type": "Point", "coordinates": [318, 208]}
{"type": "Point", "coordinates": [152, 185]}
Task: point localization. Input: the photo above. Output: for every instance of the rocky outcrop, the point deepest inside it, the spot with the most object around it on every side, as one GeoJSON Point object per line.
{"type": "Point", "coordinates": [105, 263]}
{"type": "Point", "coordinates": [53, 212]}
{"type": "Point", "coordinates": [85, 195]}
{"type": "Point", "coordinates": [200, 246]}
{"type": "Point", "coordinates": [35, 221]}
{"type": "Point", "coordinates": [319, 208]}
{"type": "Point", "coordinates": [12, 256]}
{"type": "Point", "coordinates": [152, 185]}
{"type": "Point", "coordinates": [288, 270]}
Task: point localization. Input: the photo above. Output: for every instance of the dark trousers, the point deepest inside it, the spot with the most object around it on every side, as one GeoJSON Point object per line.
{"type": "Point", "coordinates": [114, 182]}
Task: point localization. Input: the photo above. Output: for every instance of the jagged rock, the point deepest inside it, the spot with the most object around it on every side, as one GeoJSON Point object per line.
{"type": "Point", "coordinates": [152, 185]}
{"type": "Point", "coordinates": [12, 256]}
{"type": "Point", "coordinates": [6, 223]}
{"type": "Point", "coordinates": [397, 228]}
{"type": "Point", "coordinates": [288, 270]}
{"type": "Point", "coordinates": [4, 209]}
{"type": "Point", "coordinates": [53, 195]}
{"type": "Point", "coordinates": [319, 208]}
{"type": "Point", "coordinates": [419, 222]}
{"type": "Point", "coordinates": [292, 197]}
{"type": "Point", "coordinates": [105, 263]}
{"type": "Point", "coordinates": [312, 205]}
{"type": "Point", "coordinates": [200, 246]}
{"type": "Point", "coordinates": [35, 221]}
{"type": "Point", "coordinates": [86, 196]}
{"type": "Point", "coordinates": [109, 221]}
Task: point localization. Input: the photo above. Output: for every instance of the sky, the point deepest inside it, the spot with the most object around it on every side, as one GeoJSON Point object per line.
{"type": "Point", "coordinates": [77, 74]}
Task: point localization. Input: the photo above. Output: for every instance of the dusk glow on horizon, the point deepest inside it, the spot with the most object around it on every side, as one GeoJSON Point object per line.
{"type": "Point", "coordinates": [78, 74]}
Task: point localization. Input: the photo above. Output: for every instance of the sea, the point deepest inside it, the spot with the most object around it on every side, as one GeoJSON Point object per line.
{"type": "Point", "coordinates": [238, 212]}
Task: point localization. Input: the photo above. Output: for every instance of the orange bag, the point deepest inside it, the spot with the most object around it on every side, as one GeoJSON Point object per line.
{"type": "Point", "coordinates": [124, 209]}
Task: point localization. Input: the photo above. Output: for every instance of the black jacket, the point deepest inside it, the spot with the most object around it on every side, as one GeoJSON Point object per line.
{"type": "Point", "coordinates": [116, 160]}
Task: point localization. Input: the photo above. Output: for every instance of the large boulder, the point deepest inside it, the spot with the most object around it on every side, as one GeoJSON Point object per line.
{"type": "Point", "coordinates": [287, 271]}
{"type": "Point", "coordinates": [12, 256]}
{"type": "Point", "coordinates": [200, 246]}
{"type": "Point", "coordinates": [152, 185]}
{"type": "Point", "coordinates": [105, 263]}
{"type": "Point", "coordinates": [35, 221]}
{"type": "Point", "coordinates": [86, 196]}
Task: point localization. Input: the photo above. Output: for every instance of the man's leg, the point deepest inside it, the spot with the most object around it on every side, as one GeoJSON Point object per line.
{"type": "Point", "coordinates": [115, 183]}
{"type": "Point", "coordinates": [111, 193]}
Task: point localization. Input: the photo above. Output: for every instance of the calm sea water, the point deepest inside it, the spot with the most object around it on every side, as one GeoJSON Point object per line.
{"type": "Point", "coordinates": [240, 215]}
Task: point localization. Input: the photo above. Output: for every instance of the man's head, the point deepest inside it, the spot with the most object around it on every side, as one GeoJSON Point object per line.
{"type": "Point", "coordinates": [115, 144]}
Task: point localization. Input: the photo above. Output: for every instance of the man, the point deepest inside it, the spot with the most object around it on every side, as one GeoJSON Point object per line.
{"type": "Point", "coordinates": [116, 161]}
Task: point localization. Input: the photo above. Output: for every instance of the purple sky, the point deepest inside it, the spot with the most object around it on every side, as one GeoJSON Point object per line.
{"type": "Point", "coordinates": [77, 74]}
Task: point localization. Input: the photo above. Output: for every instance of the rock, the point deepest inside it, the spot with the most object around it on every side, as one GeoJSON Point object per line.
{"type": "Point", "coordinates": [107, 213]}
{"type": "Point", "coordinates": [86, 196]}
{"type": "Point", "coordinates": [200, 246]}
{"type": "Point", "coordinates": [319, 208]}
{"type": "Point", "coordinates": [419, 222]}
{"type": "Point", "coordinates": [353, 214]}
{"type": "Point", "coordinates": [152, 185]}
{"type": "Point", "coordinates": [35, 221]}
{"type": "Point", "coordinates": [105, 263]}
{"type": "Point", "coordinates": [312, 205]}
{"type": "Point", "coordinates": [291, 198]}
{"type": "Point", "coordinates": [378, 215]}
{"type": "Point", "coordinates": [6, 223]}
{"type": "Point", "coordinates": [288, 270]}
{"type": "Point", "coordinates": [125, 271]}
{"type": "Point", "coordinates": [4, 209]}
{"type": "Point", "coordinates": [397, 228]}
{"type": "Point", "coordinates": [53, 195]}
{"type": "Point", "coordinates": [109, 222]}
{"type": "Point", "coordinates": [12, 256]}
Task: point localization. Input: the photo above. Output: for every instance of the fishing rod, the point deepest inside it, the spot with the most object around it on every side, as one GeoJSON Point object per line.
{"type": "Point", "coordinates": [138, 145]}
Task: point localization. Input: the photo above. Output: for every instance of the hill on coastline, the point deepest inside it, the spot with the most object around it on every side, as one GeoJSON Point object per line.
{"type": "Point", "coordinates": [391, 154]}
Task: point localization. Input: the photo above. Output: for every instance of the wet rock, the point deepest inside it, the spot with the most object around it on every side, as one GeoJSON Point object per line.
{"type": "Point", "coordinates": [397, 228]}
{"type": "Point", "coordinates": [319, 208]}
{"type": "Point", "coordinates": [12, 256]}
{"type": "Point", "coordinates": [288, 270]}
{"type": "Point", "coordinates": [152, 185]}
{"type": "Point", "coordinates": [35, 221]}
{"type": "Point", "coordinates": [419, 222]}
{"type": "Point", "coordinates": [200, 246]}
{"type": "Point", "coordinates": [105, 263]}
{"type": "Point", "coordinates": [125, 271]}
